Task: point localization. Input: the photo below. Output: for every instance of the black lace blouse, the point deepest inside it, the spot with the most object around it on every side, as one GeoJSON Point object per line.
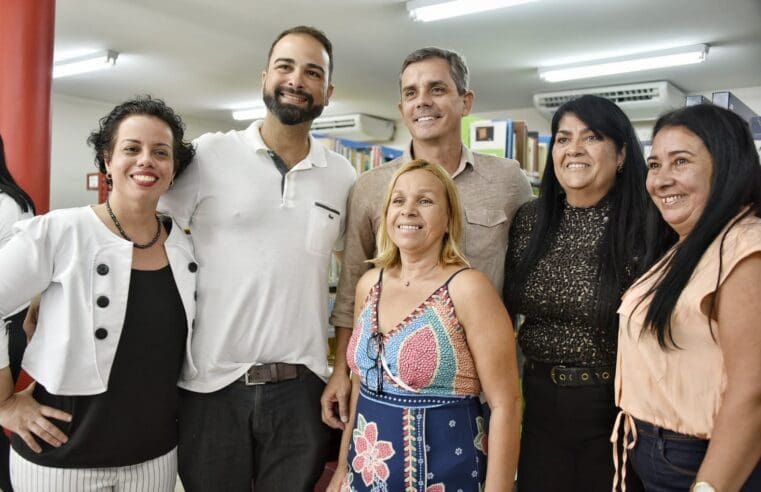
{"type": "Point", "coordinates": [559, 297]}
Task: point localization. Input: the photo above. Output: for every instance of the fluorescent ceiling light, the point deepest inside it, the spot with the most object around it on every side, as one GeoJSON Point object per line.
{"type": "Point", "coordinates": [252, 113]}
{"type": "Point", "coordinates": [635, 63]}
{"type": "Point", "coordinates": [433, 10]}
{"type": "Point", "coordinates": [83, 64]}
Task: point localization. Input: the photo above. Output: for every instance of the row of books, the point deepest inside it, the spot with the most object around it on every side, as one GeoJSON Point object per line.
{"type": "Point", "coordinates": [363, 156]}
{"type": "Point", "coordinates": [511, 139]}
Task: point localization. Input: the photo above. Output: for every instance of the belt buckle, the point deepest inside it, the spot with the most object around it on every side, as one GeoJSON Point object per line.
{"type": "Point", "coordinates": [247, 377]}
{"type": "Point", "coordinates": [552, 373]}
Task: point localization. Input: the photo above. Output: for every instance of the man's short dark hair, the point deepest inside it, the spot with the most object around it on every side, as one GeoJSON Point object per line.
{"type": "Point", "coordinates": [310, 31]}
{"type": "Point", "coordinates": [458, 69]}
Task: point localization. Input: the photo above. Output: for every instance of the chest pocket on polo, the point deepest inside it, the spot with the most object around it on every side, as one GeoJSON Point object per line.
{"type": "Point", "coordinates": [323, 228]}
{"type": "Point", "coordinates": [485, 232]}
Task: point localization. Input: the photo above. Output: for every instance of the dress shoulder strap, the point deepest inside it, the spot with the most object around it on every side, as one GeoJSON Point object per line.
{"type": "Point", "coordinates": [451, 276]}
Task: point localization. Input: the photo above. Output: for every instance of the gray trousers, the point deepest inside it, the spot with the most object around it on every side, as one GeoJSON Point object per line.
{"type": "Point", "coordinates": [270, 435]}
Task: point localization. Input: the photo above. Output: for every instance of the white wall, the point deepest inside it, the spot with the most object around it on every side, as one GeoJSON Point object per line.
{"type": "Point", "coordinates": [401, 138]}
{"type": "Point", "coordinates": [72, 159]}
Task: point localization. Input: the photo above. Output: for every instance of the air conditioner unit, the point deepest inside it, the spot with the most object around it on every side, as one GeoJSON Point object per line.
{"type": "Point", "coordinates": [358, 126]}
{"type": "Point", "coordinates": [640, 102]}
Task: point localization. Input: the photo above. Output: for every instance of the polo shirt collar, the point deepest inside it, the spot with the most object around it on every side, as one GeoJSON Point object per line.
{"type": "Point", "coordinates": [315, 158]}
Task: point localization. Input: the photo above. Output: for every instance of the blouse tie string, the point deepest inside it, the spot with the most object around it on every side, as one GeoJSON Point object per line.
{"type": "Point", "coordinates": [629, 426]}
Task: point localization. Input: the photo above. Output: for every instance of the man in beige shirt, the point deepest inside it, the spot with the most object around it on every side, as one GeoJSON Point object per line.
{"type": "Point", "coordinates": [434, 97]}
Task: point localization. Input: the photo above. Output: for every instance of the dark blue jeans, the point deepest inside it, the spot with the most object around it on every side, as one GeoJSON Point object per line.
{"type": "Point", "coordinates": [667, 461]}
{"type": "Point", "coordinates": [269, 434]}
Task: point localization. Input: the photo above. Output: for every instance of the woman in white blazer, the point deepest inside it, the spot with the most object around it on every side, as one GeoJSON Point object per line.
{"type": "Point", "coordinates": [15, 205]}
{"type": "Point", "coordinates": [114, 323]}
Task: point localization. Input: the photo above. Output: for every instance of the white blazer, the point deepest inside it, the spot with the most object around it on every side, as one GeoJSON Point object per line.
{"type": "Point", "coordinates": [83, 271]}
{"type": "Point", "coordinates": [10, 213]}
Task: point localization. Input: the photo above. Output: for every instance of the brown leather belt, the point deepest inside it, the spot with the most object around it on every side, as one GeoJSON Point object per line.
{"type": "Point", "coordinates": [562, 375]}
{"type": "Point", "coordinates": [274, 372]}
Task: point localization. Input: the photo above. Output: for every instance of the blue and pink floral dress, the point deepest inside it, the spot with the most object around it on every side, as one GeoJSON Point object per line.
{"type": "Point", "coordinates": [419, 425]}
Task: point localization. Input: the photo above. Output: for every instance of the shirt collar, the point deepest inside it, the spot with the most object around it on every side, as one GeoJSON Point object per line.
{"type": "Point", "coordinates": [466, 157]}
{"type": "Point", "coordinates": [317, 156]}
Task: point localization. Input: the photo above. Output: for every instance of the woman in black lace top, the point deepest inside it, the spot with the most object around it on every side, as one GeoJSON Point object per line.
{"type": "Point", "coordinates": [572, 254]}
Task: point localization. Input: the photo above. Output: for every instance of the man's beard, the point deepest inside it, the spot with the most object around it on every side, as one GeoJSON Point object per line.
{"type": "Point", "coordinates": [289, 114]}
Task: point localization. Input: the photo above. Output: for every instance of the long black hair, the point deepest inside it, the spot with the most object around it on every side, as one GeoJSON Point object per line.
{"type": "Point", "coordinates": [735, 184]}
{"type": "Point", "coordinates": [622, 252]}
{"type": "Point", "coordinates": [9, 186]}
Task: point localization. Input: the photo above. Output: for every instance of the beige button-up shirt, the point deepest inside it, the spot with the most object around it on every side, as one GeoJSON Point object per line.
{"type": "Point", "coordinates": [491, 191]}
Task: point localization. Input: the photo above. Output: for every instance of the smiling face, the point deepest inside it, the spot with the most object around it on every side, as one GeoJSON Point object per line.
{"type": "Point", "coordinates": [141, 162]}
{"type": "Point", "coordinates": [418, 213]}
{"type": "Point", "coordinates": [430, 105]}
{"type": "Point", "coordinates": [295, 84]}
{"type": "Point", "coordinates": [585, 162]}
{"type": "Point", "coordinates": [680, 169]}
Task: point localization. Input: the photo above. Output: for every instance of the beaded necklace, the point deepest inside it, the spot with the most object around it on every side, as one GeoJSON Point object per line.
{"type": "Point", "coordinates": [124, 234]}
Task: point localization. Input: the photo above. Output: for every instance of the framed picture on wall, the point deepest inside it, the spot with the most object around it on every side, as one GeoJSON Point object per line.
{"type": "Point", "coordinates": [92, 181]}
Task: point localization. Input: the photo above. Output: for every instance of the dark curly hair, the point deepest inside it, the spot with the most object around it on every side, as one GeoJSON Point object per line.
{"type": "Point", "coordinates": [104, 139]}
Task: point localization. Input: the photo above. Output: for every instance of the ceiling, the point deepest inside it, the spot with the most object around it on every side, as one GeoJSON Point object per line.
{"type": "Point", "coordinates": [205, 57]}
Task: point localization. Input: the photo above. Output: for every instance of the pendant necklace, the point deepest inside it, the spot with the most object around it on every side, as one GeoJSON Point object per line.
{"type": "Point", "coordinates": [406, 283]}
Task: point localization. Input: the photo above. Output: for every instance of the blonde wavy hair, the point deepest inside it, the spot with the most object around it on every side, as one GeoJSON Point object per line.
{"type": "Point", "coordinates": [451, 252]}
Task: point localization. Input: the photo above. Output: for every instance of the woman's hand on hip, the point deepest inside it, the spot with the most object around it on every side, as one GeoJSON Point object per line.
{"type": "Point", "coordinates": [22, 415]}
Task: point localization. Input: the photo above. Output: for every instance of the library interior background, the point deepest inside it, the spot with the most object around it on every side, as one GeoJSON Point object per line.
{"type": "Point", "coordinates": [205, 59]}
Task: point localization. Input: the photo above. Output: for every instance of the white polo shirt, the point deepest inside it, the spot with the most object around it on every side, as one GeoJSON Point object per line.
{"type": "Point", "coordinates": [263, 255]}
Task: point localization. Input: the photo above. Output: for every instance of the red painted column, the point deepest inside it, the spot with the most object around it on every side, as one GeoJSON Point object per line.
{"type": "Point", "coordinates": [26, 61]}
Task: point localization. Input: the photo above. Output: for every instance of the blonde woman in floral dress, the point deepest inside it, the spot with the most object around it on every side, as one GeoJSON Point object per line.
{"type": "Point", "coordinates": [430, 335]}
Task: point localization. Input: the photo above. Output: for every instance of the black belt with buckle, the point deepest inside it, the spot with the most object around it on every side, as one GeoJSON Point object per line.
{"type": "Point", "coordinates": [274, 372]}
{"type": "Point", "coordinates": [562, 375]}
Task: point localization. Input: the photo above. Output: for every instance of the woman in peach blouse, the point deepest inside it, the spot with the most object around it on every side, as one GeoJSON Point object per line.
{"type": "Point", "coordinates": [689, 354]}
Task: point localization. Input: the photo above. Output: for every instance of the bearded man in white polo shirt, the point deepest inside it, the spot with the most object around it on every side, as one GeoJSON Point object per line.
{"type": "Point", "coordinates": [266, 206]}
